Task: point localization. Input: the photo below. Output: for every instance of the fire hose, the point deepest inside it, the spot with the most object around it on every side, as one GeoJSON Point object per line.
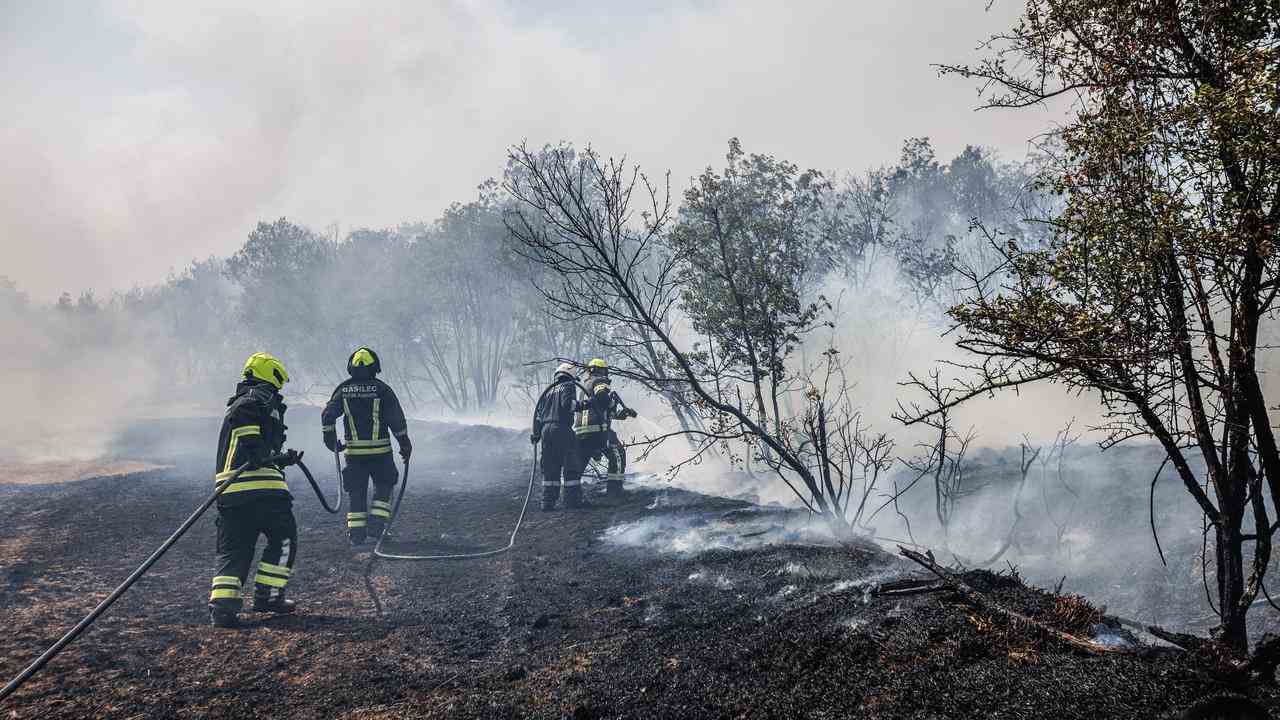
{"type": "Point", "coordinates": [395, 513]}
{"type": "Point", "coordinates": [315, 486]}
{"type": "Point", "coordinates": [56, 648]}
{"type": "Point", "coordinates": [378, 552]}
{"type": "Point", "coordinates": [511, 541]}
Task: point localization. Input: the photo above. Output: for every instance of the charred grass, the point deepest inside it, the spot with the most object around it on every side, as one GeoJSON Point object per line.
{"type": "Point", "coordinates": [567, 625]}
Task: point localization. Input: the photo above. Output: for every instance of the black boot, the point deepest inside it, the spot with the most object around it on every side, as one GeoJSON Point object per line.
{"type": "Point", "coordinates": [374, 531]}
{"type": "Point", "coordinates": [357, 536]}
{"type": "Point", "coordinates": [280, 605]}
{"type": "Point", "coordinates": [222, 617]}
{"type": "Point", "coordinates": [550, 494]}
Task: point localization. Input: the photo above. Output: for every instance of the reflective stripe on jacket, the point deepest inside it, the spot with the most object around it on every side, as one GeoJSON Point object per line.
{"type": "Point", "coordinates": [371, 412]}
{"type": "Point", "coordinates": [253, 430]}
{"type": "Point", "coordinates": [595, 408]}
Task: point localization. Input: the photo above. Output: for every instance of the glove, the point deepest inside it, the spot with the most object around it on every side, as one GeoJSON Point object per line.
{"type": "Point", "coordinates": [632, 413]}
{"type": "Point", "coordinates": [535, 438]}
{"type": "Point", "coordinates": [406, 448]}
{"type": "Point", "coordinates": [331, 440]}
{"type": "Point", "coordinates": [286, 459]}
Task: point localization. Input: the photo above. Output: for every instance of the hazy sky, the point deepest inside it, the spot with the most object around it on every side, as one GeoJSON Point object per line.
{"type": "Point", "coordinates": [138, 135]}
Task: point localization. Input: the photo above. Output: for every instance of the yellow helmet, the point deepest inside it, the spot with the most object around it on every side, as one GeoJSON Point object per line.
{"type": "Point", "coordinates": [364, 360]}
{"type": "Point", "coordinates": [265, 367]}
{"type": "Point", "coordinates": [597, 364]}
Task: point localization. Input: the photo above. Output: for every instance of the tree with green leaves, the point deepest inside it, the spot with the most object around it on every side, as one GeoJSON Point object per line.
{"type": "Point", "coordinates": [197, 310]}
{"type": "Point", "coordinates": [284, 273]}
{"type": "Point", "coordinates": [749, 245]}
{"type": "Point", "coordinates": [1155, 287]}
{"type": "Point", "coordinates": [920, 212]}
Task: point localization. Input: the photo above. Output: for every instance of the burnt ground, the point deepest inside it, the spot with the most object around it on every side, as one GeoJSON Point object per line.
{"type": "Point", "coordinates": [655, 607]}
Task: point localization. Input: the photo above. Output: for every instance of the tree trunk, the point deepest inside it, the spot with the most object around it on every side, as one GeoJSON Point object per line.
{"type": "Point", "coordinates": [1230, 561]}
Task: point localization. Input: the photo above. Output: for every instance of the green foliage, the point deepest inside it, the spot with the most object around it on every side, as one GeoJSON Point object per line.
{"type": "Point", "coordinates": [750, 245]}
{"type": "Point", "coordinates": [1163, 266]}
{"type": "Point", "coordinates": [920, 212]}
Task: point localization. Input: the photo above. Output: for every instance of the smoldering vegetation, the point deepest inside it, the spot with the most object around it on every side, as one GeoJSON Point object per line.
{"type": "Point", "coordinates": [565, 626]}
{"type": "Point", "coordinates": [1081, 520]}
{"type": "Point", "coordinates": [1114, 526]}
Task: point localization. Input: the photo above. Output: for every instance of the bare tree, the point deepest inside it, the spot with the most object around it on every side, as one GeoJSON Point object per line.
{"type": "Point", "coordinates": [850, 459]}
{"type": "Point", "coordinates": [638, 353]}
{"type": "Point", "coordinates": [943, 460]}
{"type": "Point", "coordinates": [599, 226]}
{"type": "Point", "coordinates": [1054, 462]}
{"type": "Point", "coordinates": [467, 315]}
{"type": "Point", "coordinates": [1025, 462]}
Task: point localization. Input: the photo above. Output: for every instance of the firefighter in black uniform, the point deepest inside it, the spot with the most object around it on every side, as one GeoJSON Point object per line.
{"type": "Point", "coordinates": [593, 427]}
{"type": "Point", "coordinates": [553, 428]}
{"type": "Point", "coordinates": [258, 502]}
{"type": "Point", "coordinates": [371, 409]}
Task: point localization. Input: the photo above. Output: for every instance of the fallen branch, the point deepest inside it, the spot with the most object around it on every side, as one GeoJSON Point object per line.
{"type": "Point", "coordinates": [985, 602]}
{"type": "Point", "coordinates": [1182, 640]}
{"type": "Point", "coordinates": [911, 590]}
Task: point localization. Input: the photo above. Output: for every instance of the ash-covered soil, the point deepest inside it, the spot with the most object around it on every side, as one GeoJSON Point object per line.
{"type": "Point", "coordinates": [665, 605]}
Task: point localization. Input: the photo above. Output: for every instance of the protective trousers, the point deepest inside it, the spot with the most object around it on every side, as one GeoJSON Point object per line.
{"type": "Point", "coordinates": [559, 463]}
{"type": "Point", "coordinates": [367, 519]}
{"type": "Point", "coordinates": [594, 445]}
{"type": "Point", "coordinates": [238, 530]}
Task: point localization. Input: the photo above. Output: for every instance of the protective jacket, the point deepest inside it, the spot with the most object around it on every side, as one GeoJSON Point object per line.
{"type": "Point", "coordinates": [552, 423]}
{"type": "Point", "coordinates": [557, 406]}
{"type": "Point", "coordinates": [372, 412]}
{"type": "Point", "coordinates": [598, 408]}
{"type": "Point", "coordinates": [253, 430]}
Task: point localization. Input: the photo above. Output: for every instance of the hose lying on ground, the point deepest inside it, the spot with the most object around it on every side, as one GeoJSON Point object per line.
{"type": "Point", "coordinates": [511, 542]}
{"type": "Point", "coordinates": [395, 512]}
{"type": "Point", "coordinates": [88, 620]}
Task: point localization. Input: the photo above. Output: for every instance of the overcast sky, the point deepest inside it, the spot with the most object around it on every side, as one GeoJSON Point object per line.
{"type": "Point", "coordinates": [139, 135]}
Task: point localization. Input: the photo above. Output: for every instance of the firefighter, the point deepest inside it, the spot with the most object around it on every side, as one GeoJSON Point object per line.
{"type": "Point", "coordinates": [371, 409]}
{"type": "Point", "coordinates": [593, 427]}
{"type": "Point", "coordinates": [553, 428]}
{"type": "Point", "coordinates": [258, 502]}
